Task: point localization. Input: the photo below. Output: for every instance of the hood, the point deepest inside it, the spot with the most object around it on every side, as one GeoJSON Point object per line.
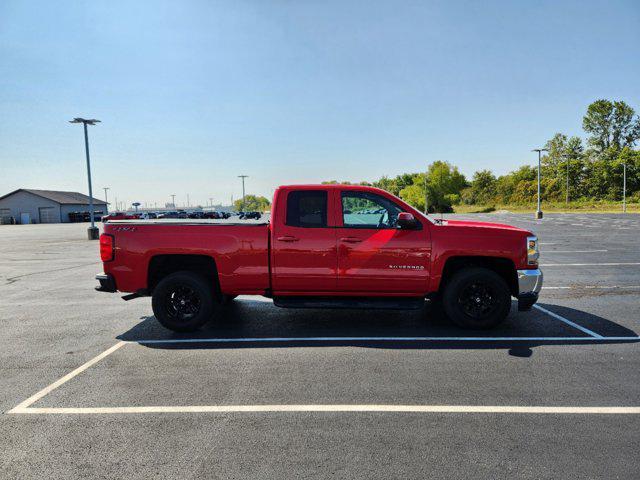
{"type": "Point", "coordinates": [483, 225]}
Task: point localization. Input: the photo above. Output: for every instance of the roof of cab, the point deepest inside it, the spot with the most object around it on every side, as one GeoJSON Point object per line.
{"type": "Point", "coordinates": [328, 186]}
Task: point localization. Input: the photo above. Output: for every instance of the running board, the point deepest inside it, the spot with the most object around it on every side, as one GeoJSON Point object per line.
{"type": "Point", "coordinates": [368, 303]}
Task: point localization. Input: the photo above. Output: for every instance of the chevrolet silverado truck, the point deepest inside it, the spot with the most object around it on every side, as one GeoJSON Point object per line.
{"type": "Point", "coordinates": [324, 246]}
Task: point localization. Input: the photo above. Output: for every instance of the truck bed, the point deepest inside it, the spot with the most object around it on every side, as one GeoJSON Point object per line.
{"type": "Point", "coordinates": [240, 250]}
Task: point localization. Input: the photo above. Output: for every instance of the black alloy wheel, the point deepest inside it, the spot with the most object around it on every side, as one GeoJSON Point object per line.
{"type": "Point", "coordinates": [476, 298]}
{"type": "Point", "coordinates": [183, 301]}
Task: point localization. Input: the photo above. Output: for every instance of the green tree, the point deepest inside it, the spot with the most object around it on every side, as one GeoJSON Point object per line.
{"type": "Point", "coordinates": [483, 188]}
{"type": "Point", "coordinates": [507, 185]}
{"type": "Point", "coordinates": [632, 159]}
{"type": "Point", "coordinates": [611, 124]}
{"type": "Point", "coordinates": [388, 184]}
{"type": "Point", "coordinates": [563, 150]}
{"type": "Point", "coordinates": [557, 147]}
{"type": "Point", "coordinates": [414, 196]}
{"type": "Point", "coordinates": [443, 185]}
{"type": "Point", "coordinates": [252, 203]}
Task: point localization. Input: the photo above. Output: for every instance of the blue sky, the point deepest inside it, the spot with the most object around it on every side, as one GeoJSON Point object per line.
{"type": "Point", "coordinates": [192, 94]}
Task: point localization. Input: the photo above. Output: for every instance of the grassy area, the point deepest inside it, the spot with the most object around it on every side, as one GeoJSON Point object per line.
{"type": "Point", "coordinates": [561, 207]}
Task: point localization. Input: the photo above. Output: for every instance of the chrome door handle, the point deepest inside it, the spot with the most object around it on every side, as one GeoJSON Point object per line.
{"type": "Point", "coordinates": [287, 238]}
{"type": "Point", "coordinates": [351, 239]}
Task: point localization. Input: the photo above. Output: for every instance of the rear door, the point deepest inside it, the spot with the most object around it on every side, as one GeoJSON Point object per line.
{"type": "Point", "coordinates": [304, 257]}
{"type": "Point", "coordinates": [374, 256]}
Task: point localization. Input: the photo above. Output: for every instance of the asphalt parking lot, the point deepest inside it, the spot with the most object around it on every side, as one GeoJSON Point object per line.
{"type": "Point", "coordinates": [273, 393]}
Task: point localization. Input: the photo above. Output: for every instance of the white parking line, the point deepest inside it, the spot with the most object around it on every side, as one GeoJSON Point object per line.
{"type": "Point", "coordinates": [366, 408]}
{"type": "Point", "coordinates": [592, 287]}
{"type": "Point", "coordinates": [586, 264]}
{"type": "Point", "coordinates": [573, 251]}
{"type": "Point", "coordinates": [568, 322]}
{"type": "Point", "coordinates": [25, 406]}
{"type": "Point", "coordinates": [34, 398]}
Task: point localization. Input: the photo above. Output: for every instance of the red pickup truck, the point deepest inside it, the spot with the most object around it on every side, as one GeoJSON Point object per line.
{"type": "Point", "coordinates": [324, 246]}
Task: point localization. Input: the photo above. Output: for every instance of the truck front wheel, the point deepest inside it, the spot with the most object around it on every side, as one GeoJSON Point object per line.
{"type": "Point", "coordinates": [476, 298]}
{"type": "Point", "coordinates": [183, 301]}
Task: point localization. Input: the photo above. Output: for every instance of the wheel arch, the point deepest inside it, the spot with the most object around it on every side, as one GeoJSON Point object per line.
{"type": "Point", "coordinates": [504, 267]}
{"type": "Point", "coordinates": [165, 264]}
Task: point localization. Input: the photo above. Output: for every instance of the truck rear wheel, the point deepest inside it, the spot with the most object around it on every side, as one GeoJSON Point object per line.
{"type": "Point", "coordinates": [183, 301]}
{"type": "Point", "coordinates": [476, 298]}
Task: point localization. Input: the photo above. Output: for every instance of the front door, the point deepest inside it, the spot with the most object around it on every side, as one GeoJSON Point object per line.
{"type": "Point", "coordinates": [304, 246]}
{"type": "Point", "coordinates": [374, 256]}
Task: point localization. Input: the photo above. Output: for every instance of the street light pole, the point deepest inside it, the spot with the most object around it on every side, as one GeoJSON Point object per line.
{"type": "Point", "coordinates": [243, 177]}
{"type": "Point", "coordinates": [624, 187]}
{"type": "Point", "coordinates": [93, 230]}
{"type": "Point", "coordinates": [105, 197]}
{"type": "Point", "coordinates": [539, 150]}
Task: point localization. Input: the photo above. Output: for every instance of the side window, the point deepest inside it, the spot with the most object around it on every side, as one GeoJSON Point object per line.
{"type": "Point", "coordinates": [307, 208]}
{"type": "Point", "coordinates": [368, 210]}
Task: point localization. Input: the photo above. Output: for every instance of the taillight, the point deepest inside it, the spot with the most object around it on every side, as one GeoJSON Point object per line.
{"type": "Point", "coordinates": [106, 247]}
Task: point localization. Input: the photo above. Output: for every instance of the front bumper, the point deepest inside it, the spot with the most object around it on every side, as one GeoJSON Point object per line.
{"type": "Point", "coordinates": [107, 283]}
{"type": "Point", "coordinates": [529, 286]}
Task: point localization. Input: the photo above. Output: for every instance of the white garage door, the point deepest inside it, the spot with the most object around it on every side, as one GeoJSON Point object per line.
{"type": "Point", "coordinates": [47, 215]}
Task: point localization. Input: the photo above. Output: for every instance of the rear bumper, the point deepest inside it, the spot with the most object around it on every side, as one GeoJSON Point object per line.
{"type": "Point", "coordinates": [107, 283]}
{"type": "Point", "coordinates": [529, 286]}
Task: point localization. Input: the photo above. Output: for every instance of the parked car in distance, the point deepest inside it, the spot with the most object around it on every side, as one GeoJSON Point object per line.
{"type": "Point", "coordinates": [319, 250]}
{"type": "Point", "coordinates": [146, 215]}
{"type": "Point", "coordinates": [252, 216]}
{"type": "Point", "coordinates": [171, 214]}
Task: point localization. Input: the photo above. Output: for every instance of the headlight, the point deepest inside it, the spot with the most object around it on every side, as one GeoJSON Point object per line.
{"type": "Point", "coordinates": [532, 250]}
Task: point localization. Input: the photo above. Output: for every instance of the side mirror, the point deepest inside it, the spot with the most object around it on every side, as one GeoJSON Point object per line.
{"type": "Point", "coordinates": [406, 221]}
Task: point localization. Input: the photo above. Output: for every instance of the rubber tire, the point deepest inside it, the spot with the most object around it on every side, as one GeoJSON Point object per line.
{"type": "Point", "coordinates": [200, 285]}
{"type": "Point", "coordinates": [463, 278]}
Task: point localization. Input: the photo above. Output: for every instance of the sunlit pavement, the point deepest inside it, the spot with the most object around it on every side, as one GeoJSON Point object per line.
{"type": "Point", "coordinates": [272, 393]}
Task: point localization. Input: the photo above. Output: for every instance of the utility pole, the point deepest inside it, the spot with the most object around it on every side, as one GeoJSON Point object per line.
{"type": "Point", "coordinates": [624, 187]}
{"type": "Point", "coordinates": [567, 199]}
{"type": "Point", "coordinates": [243, 177]}
{"type": "Point", "coordinates": [539, 150]}
{"type": "Point", "coordinates": [93, 231]}
{"type": "Point", "coordinates": [211, 201]}
{"type": "Point", "coordinates": [188, 202]}
{"type": "Point", "coordinates": [173, 200]}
